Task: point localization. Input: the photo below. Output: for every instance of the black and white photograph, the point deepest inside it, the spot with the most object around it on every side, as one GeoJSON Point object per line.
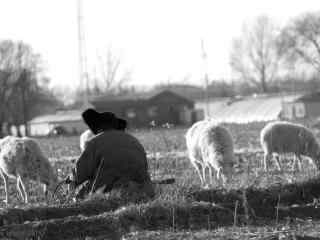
{"type": "Point", "coordinates": [146, 119]}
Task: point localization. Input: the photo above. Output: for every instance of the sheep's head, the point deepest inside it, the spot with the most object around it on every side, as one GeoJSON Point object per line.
{"type": "Point", "coordinates": [50, 186]}
{"type": "Point", "coordinates": [48, 176]}
{"type": "Point", "coordinates": [227, 170]}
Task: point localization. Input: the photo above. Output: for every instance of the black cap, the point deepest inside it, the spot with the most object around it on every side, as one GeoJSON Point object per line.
{"type": "Point", "coordinates": [100, 121]}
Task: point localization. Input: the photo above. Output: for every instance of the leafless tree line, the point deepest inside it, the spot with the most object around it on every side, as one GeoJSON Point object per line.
{"type": "Point", "coordinates": [264, 52]}
{"type": "Point", "coordinates": [20, 90]}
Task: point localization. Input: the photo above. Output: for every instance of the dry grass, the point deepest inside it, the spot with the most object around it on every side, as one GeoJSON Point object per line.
{"type": "Point", "coordinates": [166, 150]}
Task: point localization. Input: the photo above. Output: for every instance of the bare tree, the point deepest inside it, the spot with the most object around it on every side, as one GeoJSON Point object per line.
{"type": "Point", "coordinates": [254, 55]}
{"type": "Point", "coordinates": [113, 76]}
{"type": "Point", "coordinates": [300, 40]}
{"type": "Point", "coordinates": [21, 67]}
{"type": "Point", "coordinates": [5, 92]}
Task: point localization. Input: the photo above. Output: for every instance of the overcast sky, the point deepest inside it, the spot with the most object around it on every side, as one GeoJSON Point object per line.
{"type": "Point", "coordinates": [157, 40]}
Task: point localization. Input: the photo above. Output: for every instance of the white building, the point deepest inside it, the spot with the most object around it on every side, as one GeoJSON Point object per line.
{"type": "Point", "coordinates": [70, 120]}
{"type": "Point", "coordinates": [247, 109]}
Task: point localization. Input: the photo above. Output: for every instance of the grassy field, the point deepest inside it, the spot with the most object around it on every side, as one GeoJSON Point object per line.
{"type": "Point", "coordinates": [185, 199]}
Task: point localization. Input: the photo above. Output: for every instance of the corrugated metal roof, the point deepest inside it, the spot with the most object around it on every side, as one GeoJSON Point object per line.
{"type": "Point", "coordinates": [247, 109]}
{"type": "Point", "coordinates": [60, 116]}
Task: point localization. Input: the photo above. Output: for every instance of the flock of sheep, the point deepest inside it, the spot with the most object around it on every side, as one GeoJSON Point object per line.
{"type": "Point", "coordinates": [209, 145]}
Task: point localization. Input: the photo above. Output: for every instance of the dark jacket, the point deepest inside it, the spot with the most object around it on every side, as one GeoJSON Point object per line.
{"type": "Point", "coordinates": [122, 156]}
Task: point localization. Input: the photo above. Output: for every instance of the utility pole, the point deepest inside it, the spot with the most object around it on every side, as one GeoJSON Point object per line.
{"type": "Point", "coordinates": [83, 73]}
{"type": "Point", "coordinates": [205, 74]}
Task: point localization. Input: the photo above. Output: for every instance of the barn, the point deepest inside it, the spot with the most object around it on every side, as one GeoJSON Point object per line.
{"type": "Point", "coordinates": [140, 110]}
{"type": "Point", "coordinates": [306, 106]}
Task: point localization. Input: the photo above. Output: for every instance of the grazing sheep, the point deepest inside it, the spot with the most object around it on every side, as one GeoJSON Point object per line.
{"type": "Point", "coordinates": [194, 152]}
{"type": "Point", "coordinates": [22, 158]}
{"type": "Point", "coordinates": [85, 138]}
{"type": "Point", "coordinates": [284, 137]}
{"type": "Point", "coordinates": [211, 146]}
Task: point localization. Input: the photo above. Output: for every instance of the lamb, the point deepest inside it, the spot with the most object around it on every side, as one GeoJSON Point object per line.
{"type": "Point", "coordinates": [282, 137]}
{"type": "Point", "coordinates": [21, 159]}
{"type": "Point", "coordinates": [85, 138]}
{"type": "Point", "coordinates": [211, 145]}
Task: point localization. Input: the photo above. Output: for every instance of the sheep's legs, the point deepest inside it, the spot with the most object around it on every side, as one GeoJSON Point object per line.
{"type": "Point", "coordinates": [277, 158]}
{"type": "Point", "coordinates": [22, 189]}
{"type": "Point", "coordinates": [213, 174]}
{"type": "Point", "coordinates": [266, 160]}
{"type": "Point", "coordinates": [294, 163]}
{"type": "Point", "coordinates": [204, 167]}
{"type": "Point", "coordinates": [19, 189]}
{"type": "Point", "coordinates": [297, 163]}
{"type": "Point", "coordinates": [220, 177]}
{"type": "Point", "coordinates": [200, 170]}
{"type": "Point", "coordinates": [210, 174]}
{"type": "Point", "coordinates": [6, 182]}
{"type": "Point", "coordinates": [204, 178]}
{"type": "Point", "coordinates": [313, 163]}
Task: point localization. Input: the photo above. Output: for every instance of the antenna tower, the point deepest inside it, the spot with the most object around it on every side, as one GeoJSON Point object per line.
{"type": "Point", "coordinates": [205, 73]}
{"type": "Point", "coordinates": [83, 73]}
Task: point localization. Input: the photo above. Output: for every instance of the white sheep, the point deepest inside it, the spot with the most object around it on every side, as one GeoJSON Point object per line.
{"type": "Point", "coordinates": [85, 138]}
{"type": "Point", "coordinates": [194, 153]}
{"type": "Point", "coordinates": [21, 159]}
{"type": "Point", "coordinates": [211, 145]}
{"type": "Point", "coordinates": [283, 137]}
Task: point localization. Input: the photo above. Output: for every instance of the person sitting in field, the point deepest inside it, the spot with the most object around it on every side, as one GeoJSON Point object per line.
{"type": "Point", "coordinates": [88, 134]}
{"type": "Point", "coordinates": [111, 156]}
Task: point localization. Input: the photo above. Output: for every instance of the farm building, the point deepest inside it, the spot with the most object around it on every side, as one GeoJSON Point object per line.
{"type": "Point", "coordinates": [69, 120]}
{"type": "Point", "coordinates": [139, 110]}
{"type": "Point", "coordinates": [245, 109]}
{"type": "Point", "coordinates": [305, 107]}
